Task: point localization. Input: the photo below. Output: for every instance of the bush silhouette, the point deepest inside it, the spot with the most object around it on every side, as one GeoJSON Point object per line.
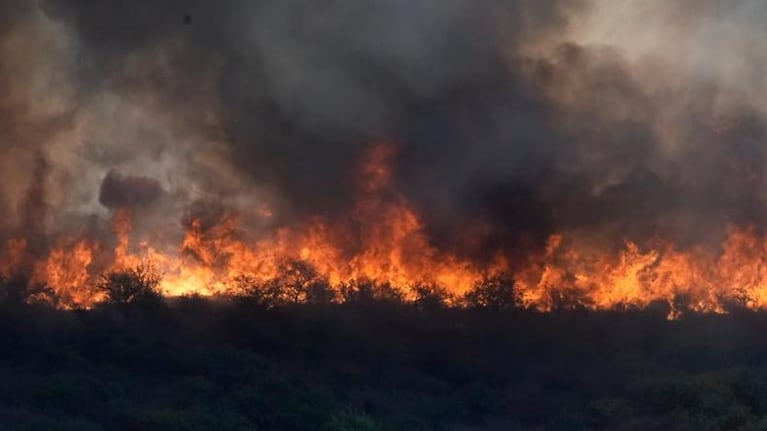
{"type": "Point", "coordinates": [367, 291]}
{"type": "Point", "coordinates": [568, 299]}
{"type": "Point", "coordinates": [131, 285]}
{"type": "Point", "coordinates": [297, 282]}
{"type": "Point", "coordinates": [430, 297]}
{"type": "Point", "coordinates": [300, 282]}
{"type": "Point", "coordinates": [18, 289]}
{"type": "Point", "coordinates": [496, 292]}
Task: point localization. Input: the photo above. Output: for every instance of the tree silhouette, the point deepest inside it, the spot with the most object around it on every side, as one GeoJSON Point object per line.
{"type": "Point", "coordinates": [297, 282]}
{"type": "Point", "coordinates": [366, 291]}
{"type": "Point", "coordinates": [429, 297]}
{"type": "Point", "coordinates": [130, 285]}
{"type": "Point", "coordinates": [496, 292]}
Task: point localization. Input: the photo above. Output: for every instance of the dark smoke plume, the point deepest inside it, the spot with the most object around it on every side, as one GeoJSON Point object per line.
{"type": "Point", "coordinates": [513, 120]}
{"type": "Point", "coordinates": [121, 192]}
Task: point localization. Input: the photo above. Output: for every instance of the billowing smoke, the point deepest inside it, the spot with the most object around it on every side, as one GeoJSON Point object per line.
{"type": "Point", "coordinates": [512, 120]}
{"type": "Point", "coordinates": [121, 192]}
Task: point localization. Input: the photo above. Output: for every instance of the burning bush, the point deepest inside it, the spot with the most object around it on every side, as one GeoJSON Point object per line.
{"type": "Point", "coordinates": [18, 289]}
{"type": "Point", "coordinates": [496, 292]}
{"type": "Point", "coordinates": [430, 296]}
{"type": "Point", "coordinates": [568, 298]}
{"type": "Point", "coordinates": [365, 290]}
{"type": "Point", "coordinates": [131, 285]}
{"type": "Point", "coordinates": [298, 282]}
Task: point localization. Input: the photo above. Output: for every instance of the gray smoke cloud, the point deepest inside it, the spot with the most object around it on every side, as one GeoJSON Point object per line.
{"type": "Point", "coordinates": [513, 120]}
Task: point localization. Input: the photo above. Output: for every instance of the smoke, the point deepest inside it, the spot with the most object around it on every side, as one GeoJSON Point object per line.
{"type": "Point", "coordinates": [119, 192]}
{"type": "Point", "coordinates": [512, 120]}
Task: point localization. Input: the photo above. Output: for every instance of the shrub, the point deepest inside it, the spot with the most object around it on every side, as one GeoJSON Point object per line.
{"type": "Point", "coordinates": [568, 299]}
{"type": "Point", "coordinates": [131, 285]}
{"type": "Point", "coordinates": [300, 282]}
{"type": "Point", "coordinates": [18, 289]}
{"type": "Point", "coordinates": [297, 282]}
{"type": "Point", "coordinates": [429, 297]}
{"type": "Point", "coordinates": [367, 291]}
{"type": "Point", "coordinates": [496, 292]}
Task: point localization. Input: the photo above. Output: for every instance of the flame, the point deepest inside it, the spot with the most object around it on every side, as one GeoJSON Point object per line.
{"type": "Point", "coordinates": [383, 241]}
{"type": "Point", "coordinates": [66, 270]}
{"type": "Point", "coordinates": [635, 277]}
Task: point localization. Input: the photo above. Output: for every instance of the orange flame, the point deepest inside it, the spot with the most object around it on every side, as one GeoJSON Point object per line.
{"type": "Point", "coordinates": [384, 241]}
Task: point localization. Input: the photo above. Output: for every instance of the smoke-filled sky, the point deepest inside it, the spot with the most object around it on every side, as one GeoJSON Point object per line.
{"type": "Point", "coordinates": [512, 119]}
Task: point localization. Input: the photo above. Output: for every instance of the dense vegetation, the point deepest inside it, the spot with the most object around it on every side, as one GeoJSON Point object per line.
{"type": "Point", "coordinates": [372, 362]}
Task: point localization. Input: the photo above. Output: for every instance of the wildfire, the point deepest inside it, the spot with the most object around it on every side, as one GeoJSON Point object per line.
{"type": "Point", "coordinates": [389, 246]}
{"type": "Point", "coordinates": [699, 279]}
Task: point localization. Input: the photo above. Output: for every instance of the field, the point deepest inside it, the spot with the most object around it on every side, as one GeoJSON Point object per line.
{"type": "Point", "coordinates": [225, 364]}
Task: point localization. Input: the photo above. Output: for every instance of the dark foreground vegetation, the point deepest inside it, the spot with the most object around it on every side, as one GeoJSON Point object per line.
{"type": "Point", "coordinates": [138, 362]}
